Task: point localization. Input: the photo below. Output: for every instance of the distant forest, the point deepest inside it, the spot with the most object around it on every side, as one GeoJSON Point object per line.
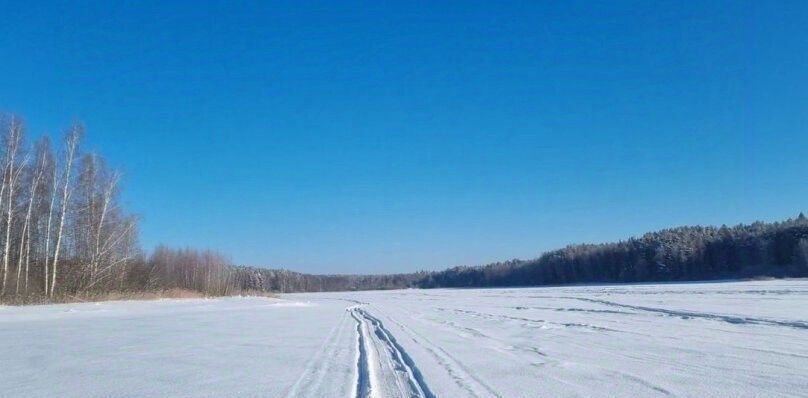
{"type": "Point", "coordinates": [678, 254]}
{"type": "Point", "coordinates": [760, 249]}
{"type": "Point", "coordinates": [65, 236]}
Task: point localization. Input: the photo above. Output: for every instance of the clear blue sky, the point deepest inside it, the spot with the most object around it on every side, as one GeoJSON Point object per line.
{"type": "Point", "coordinates": [369, 137]}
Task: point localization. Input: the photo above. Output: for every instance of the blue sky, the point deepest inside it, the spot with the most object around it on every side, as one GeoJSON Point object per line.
{"type": "Point", "coordinates": [382, 137]}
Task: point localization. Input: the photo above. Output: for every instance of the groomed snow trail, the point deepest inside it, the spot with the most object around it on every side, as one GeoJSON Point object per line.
{"type": "Point", "coordinates": [733, 339]}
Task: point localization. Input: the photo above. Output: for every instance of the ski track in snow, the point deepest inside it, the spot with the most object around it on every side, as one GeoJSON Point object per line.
{"type": "Point", "coordinates": [738, 339]}
{"type": "Point", "coordinates": [702, 315]}
{"type": "Point", "coordinates": [310, 383]}
{"type": "Point", "coordinates": [379, 350]}
{"type": "Point", "coordinates": [362, 388]}
{"type": "Point", "coordinates": [459, 373]}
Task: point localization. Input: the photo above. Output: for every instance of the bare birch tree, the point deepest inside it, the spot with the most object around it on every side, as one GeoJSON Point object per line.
{"type": "Point", "coordinates": [71, 146]}
{"type": "Point", "coordinates": [25, 237]}
{"type": "Point", "coordinates": [51, 183]}
{"type": "Point", "coordinates": [10, 177]}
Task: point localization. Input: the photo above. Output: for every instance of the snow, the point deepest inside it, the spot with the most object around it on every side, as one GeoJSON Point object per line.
{"type": "Point", "coordinates": [729, 339]}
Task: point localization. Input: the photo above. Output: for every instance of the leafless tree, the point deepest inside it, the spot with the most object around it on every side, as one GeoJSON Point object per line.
{"type": "Point", "coordinates": [71, 146]}
{"type": "Point", "coordinates": [50, 184]}
{"type": "Point", "coordinates": [35, 184]}
{"type": "Point", "coordinates": [11, 168]}
{"type": "Point", "coordinates": [64, 228]}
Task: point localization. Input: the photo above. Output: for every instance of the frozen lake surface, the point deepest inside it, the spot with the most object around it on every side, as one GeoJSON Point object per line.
{"type": "Point", "coordinates": [735, 339]}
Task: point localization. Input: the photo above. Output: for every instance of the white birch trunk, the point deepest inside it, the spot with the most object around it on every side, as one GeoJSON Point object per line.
{"type": "Point", "coordinates": [72, 143]}
{"type": "Point", "coordinates": [25, 236]}
{"type": "Point", "coordinates": [48, 229]}
{"type": "Point", "coordinates": [13, 146]}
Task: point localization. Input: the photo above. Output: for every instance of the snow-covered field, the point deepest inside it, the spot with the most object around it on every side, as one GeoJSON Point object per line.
{"type": "Point", "coordinates": [746, 339]}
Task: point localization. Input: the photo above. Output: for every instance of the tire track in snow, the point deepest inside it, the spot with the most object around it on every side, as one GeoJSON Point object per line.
{"type": "Point", "coordinates": [470, 379]}
{"type": "Point", "coordinates": [547, 361]}
{"type": "Point", "coordinates": [502, 345]}
{"type": "Point", "coordinates": [362, 388]}
{"type": "Point", "coordinates": [377, 346]}
{"type": "Point", "coordinates": [703, 315]}
{"type": "Point", "coordinates": [540, 322]}
{"type": "Point", "coordinates": [461, 375]}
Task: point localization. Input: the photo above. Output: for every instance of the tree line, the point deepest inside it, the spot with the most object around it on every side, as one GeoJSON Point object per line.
{"type": "Point", "coordinates": [285, 281]}
{"type": "Point", "coordinates": [65, 235]}
{"type": "Point", "coordinates": [777, 249]}
{"type": "Point", "coordinates": [62, 230]}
